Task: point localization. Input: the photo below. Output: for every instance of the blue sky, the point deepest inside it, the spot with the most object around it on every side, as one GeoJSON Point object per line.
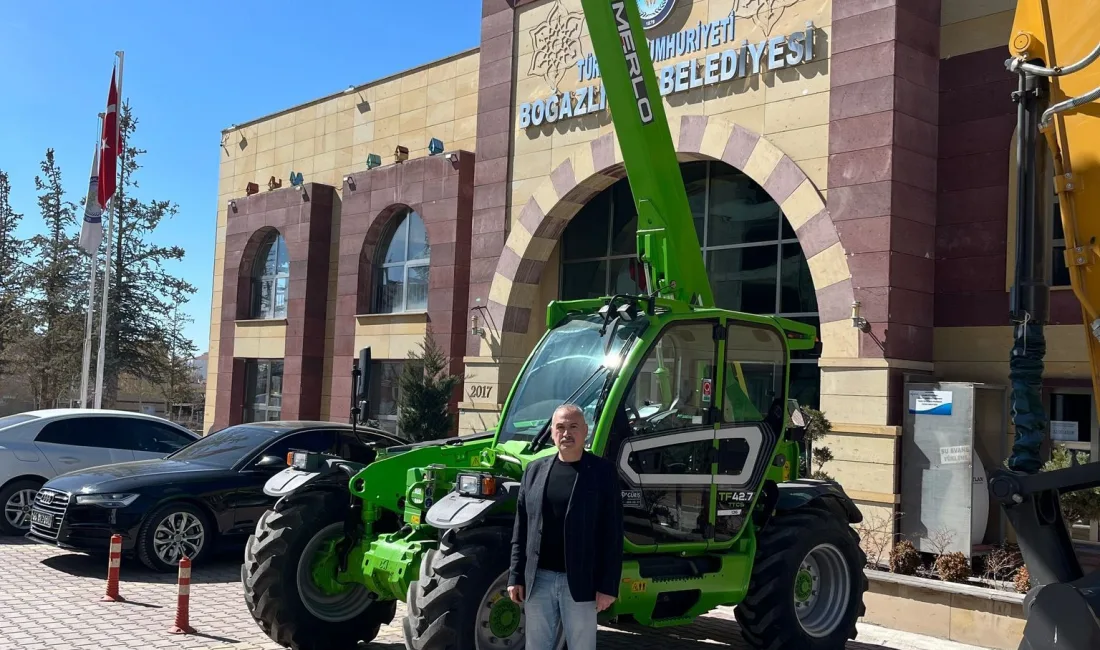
{"type": "Point", "coordinates": [191, 70]}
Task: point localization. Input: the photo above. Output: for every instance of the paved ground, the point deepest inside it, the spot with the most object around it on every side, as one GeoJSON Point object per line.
{"type": "Point", "coordinates": [49, 600]}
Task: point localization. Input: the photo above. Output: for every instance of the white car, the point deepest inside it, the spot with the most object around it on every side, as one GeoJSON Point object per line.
{"type": "Point", "coordinates": [38, 445]}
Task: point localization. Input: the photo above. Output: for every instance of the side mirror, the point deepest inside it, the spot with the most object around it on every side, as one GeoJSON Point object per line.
{"type": "Point", "coordinates": [794, 414]}
{"type": "Point", "coordinates": [271, 462]}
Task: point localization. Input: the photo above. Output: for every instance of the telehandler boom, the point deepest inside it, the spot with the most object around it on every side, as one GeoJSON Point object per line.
{"type": "Point", "coordinates": [687, 400]}
{"type": "Point", "coordinates": [1055, 47]}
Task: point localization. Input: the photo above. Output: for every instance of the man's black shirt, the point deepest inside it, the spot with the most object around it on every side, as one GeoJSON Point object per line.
{"type": "Point", "coordinates": [559, 488]}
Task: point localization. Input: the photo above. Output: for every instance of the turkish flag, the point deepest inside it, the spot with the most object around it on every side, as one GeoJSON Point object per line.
{"type": "Point", "coordinates": [108, 146]}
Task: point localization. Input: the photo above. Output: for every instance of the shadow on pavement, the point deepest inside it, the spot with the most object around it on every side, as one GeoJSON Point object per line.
{"type": "Point", "coordinates": [220, 569]}
{"type": "Point", "coordinates": [712, 629]}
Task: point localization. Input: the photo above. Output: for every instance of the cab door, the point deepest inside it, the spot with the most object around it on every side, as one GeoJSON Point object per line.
{"type": "Point", "coordinates": [753, 391]}
{"type": "Point", "coordinates": [664, 448]}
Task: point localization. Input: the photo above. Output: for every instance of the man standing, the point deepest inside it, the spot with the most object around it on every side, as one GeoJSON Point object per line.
{"type": "Point", "coordinates": [567, 545]}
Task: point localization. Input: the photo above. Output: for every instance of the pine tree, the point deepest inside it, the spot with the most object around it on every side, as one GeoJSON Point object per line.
{"type": "Point", "coordinates": [178, 384]}
{"type": "Point", "coordinates": [425, 394]}
{"type": "Point", "coordinates": [52, 349]}
{"type": "Point", "coordinates": [13, 277]}
{"type": "Point", "coordinates": [143, 293]}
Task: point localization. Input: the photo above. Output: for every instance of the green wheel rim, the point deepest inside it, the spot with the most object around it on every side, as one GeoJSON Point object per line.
{"type": "Point", "coordinates": [803, 586]}
{"type": "Point", "coordinates": [504, 618]}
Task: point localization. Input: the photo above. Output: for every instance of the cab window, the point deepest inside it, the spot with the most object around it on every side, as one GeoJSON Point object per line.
{"type": "Point", "coordinates": [674, 386]}
{"type": "Point", "coordinates": [755, 363]}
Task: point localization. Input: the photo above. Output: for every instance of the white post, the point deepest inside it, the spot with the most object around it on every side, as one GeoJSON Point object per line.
{"type": "Point", "coordinates": [107, 255]}
{"type": "Point", "coordinates": [93, 262]}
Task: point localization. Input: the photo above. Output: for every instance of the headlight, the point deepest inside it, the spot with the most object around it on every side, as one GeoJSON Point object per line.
{"type": "Point", "coordinates": [417, 495]}
{"type": "Point", "coordinates": [475, 485]}
{"type": "Point", "coordinates": [116, 500]}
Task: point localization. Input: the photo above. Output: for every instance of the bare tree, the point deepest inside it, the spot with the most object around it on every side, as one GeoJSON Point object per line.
{"type": "Point", "coordinates": [940, 540]}
{"type": "Point", "coordinates": [876, 536]}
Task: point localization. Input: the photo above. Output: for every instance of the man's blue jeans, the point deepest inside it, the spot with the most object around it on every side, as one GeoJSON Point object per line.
{"type": "Point", "coordinates": [549, 606]}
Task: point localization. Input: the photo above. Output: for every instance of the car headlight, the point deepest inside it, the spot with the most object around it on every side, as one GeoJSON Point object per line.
{"type": "Point", "coordinates": [115, 500]}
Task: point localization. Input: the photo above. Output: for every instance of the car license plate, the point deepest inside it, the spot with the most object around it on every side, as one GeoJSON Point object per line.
{"type": "Point", "coordinates": [41, 518]}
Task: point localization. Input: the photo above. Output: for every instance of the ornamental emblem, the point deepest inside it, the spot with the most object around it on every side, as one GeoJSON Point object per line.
{"type": "Point", "coordinates": [557, 44]}
{"type": "Point", "coordinates": [763, 13]}
{"type": "Point", "coordinates": [654, 12]}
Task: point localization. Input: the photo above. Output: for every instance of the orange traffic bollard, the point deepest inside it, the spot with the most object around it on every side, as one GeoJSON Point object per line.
{"type": "Point", "coordinates": [182, 625]}
{"type": "Point", "coordinates": [112, 571]}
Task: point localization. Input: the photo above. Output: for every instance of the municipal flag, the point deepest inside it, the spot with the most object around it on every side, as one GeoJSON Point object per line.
{"type": "Point", "coordinates": [91, 232]}
{"type": "Point", "coordinates": [108, 146]}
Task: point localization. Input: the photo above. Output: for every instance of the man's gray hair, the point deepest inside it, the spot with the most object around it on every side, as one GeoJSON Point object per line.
{"type": "Point", "coordinates": [570, 408]}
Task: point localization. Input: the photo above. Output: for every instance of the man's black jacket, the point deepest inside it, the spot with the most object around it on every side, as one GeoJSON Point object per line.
{"type": "Point", "coordinates": [593, 528]}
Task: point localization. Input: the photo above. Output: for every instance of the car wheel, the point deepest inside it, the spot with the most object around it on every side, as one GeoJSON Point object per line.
{"type": "Point", "coordinates": [173, 531]}
{"type": "Point", "coordinates": [16, 498]}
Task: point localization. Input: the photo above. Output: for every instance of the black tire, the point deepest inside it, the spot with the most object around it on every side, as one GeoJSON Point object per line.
{"type": "Point", "coordinates": [8, 491]}
{"type": "Point", "coordinates": [269, 577]}
{"type": "Point", "coordinates": [768, 616]}
{"type": "Point", "coordinates": [147, 536]}
{"type": "Point", "coordinates": [445, 601]}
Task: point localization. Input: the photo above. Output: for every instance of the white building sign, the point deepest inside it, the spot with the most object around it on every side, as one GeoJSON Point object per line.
{"type": "Point", "coordinates": [743, 60]}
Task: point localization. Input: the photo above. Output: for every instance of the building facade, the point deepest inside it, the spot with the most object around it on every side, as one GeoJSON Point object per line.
{"type": "Point", "coordinates": [834, 151]}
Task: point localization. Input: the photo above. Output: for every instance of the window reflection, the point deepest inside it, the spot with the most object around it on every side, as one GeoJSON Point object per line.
{"type": "Point", "coordinates": [401, 278]}
{"type": "Point", "coordinates": [752, 254]}
{"type": "Point", "coordinates": [264, 390]}
{"type": "Point", "coordinates": [270, 279]}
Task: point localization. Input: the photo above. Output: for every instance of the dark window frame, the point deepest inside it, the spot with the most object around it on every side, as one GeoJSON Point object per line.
{"type": "Point", "coordinates": [252, 405]}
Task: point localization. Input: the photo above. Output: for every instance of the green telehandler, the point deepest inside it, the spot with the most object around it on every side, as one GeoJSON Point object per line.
{"type": "Point", "coordinates": [689, 402]}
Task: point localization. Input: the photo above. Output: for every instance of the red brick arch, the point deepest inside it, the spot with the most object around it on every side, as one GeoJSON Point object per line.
{"type": "Point", "coordinates": [594, 168]}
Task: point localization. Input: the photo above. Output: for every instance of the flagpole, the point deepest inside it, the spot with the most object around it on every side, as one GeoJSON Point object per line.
{"type": "Point", "coordinates": [107, 255]}
{"type": "Point", "coordinates": [89, 321]}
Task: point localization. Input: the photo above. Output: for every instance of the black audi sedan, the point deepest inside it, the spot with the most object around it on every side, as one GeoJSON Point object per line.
{"type": "Point", "coordinates": [204, 498]}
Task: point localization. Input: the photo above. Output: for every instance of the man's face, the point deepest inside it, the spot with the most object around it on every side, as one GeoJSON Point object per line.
{"type": "Point", "coordinates": [569, 430]}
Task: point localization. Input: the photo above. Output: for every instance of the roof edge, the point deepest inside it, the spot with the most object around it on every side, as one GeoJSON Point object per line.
{"type": "Point", "coordinates": [356, 88]}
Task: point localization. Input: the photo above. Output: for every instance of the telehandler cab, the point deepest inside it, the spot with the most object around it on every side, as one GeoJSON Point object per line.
{"type": "Point", "coordinates": [688, 400]}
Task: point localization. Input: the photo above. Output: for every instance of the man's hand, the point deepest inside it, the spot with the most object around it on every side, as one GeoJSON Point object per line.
{"type": "Point", "coordinates": [603, 601]}
{"type": "Point", "coordinates": [515, 592]}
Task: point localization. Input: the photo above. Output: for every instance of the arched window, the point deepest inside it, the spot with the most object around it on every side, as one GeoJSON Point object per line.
{"type": "Point", "coordinates": [270, 279]}
{"type": "Point", "coordinates": [401, 273]}
{"type": "Point", "coordinates": [752, 256]}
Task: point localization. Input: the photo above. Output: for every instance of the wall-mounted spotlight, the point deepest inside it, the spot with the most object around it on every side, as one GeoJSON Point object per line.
{"type": "Point", "coordinates": [273, 184]}
{"type": "Point", "coordinates": [452, 156]}
{"type": "Point", "coordinates": [373, 160]}
{"type": "Point", "coordinates": [858, 321]}
{"type": "Point", "coordinates": [350, 89]}
{"type": "Point", "coordinates": [475, 327]}
{"type": "Point", "coordinates": [251, 188]}
{"type": "Point", "coordinates": [435, 147]}
{"type": "Point", "coordinates": [350, 181]}
{"type": "Point", "coordinates": [861, 324]}
{"type": "Point", "coordinates": [305, 195]}
{"type": "Point", "coordinates": [232, 205]}
{"type": "Point", "coordinates": [400, 154]}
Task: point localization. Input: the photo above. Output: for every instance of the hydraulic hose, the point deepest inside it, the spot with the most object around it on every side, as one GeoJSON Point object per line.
{"type": "Point", "coordinates": [1056, 71]}
{"type": "Point", "coordinates": [1067, 104]}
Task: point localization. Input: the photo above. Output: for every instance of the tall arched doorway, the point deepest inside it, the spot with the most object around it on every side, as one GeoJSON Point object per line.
{"type": "Point", "coordinates": [752, 254]}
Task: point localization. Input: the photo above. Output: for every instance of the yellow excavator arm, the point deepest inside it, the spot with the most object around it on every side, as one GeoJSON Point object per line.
{"type": "Point", "coordinates": [1061, 39]}
{"type": "Point", "coordinates": [1054, 50]}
